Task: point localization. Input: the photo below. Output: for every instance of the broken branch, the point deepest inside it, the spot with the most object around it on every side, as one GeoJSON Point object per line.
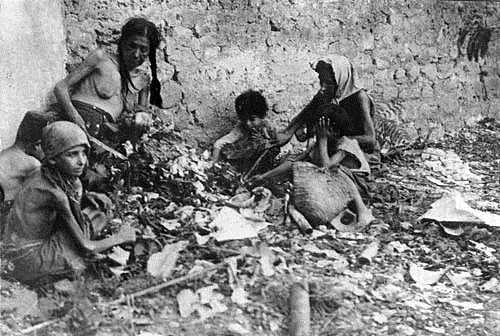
{"type": "Point", "coordinates": [166, 284]}
{"type": "Point", "coordinates": [300, 220]}
{"type": "Point", "coordinates": [368, 253]}
{"type": "Point", "coordinates": [300, 310]}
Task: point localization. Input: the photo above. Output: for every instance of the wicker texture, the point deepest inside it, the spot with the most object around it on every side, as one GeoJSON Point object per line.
{"type": "Point", "coordinates": [319, 194]}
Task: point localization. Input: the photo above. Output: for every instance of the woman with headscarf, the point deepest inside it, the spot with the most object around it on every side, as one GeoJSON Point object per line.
{"type": "Point", "coordinates": [338, 86]}
{"type": "Point", "coordinates": [47, 235]}
{"type": "Point", "coordinates": [353, 110]}
{"type": "Point", "coordinates": [107, 88]}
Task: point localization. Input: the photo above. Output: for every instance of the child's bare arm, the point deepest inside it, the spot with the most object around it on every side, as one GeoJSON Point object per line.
{"type": "Point", "coordinates": [323, 131]}
{"type": "Point", "coordinates": [231, 137]}
{"type": "Point", "coordinates": [126, 234]}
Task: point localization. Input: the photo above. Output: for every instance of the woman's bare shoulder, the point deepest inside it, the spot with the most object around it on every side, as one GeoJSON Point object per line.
{"type": "Point", "coordinates": [98, 56]}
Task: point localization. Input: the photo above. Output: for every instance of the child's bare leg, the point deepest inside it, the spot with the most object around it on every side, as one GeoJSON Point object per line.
{"type": "Point", "coordinates": [365, 216]}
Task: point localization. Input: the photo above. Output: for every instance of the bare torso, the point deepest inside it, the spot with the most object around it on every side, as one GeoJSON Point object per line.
{"type": "Point", "coordinates": [102, 88]}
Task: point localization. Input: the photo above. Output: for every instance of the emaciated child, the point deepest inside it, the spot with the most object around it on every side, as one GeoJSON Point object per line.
{"type": "Point", "coordinates": [47, 235]}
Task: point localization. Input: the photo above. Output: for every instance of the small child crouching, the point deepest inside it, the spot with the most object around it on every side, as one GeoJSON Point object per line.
{"type": "Point", "coordinates": [250, 137]}
{"type": "Point", "coordinates": [47, 235]}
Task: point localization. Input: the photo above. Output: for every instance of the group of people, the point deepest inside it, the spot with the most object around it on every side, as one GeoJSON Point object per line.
{"type": "Point", "coordinates": [53, 224]}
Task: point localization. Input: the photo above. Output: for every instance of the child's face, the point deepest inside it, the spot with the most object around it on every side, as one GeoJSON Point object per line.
{"type": "Point", "coordinates": [72, 162]}
{"type": "Point", "coordinates": [254, 122]}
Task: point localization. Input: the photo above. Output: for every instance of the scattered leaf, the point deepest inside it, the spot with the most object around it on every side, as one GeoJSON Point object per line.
{"type": "Point", "coordinates": [436, 330]}
{"type": "Point", "coordinates": [117, 271]}
{"type": "Point", "coordinates": [424, 277]}
{"type": "Point", "coordinates": [490, 286]}
{"type": "Point", "coordinates": [467, 305]}
{"type": "Point", "coordinates": [239, 296]}
{"type": "Point", "coordinates": [202, 240]}
{"type": "Point", "coordinates": [65, 287]}
{"type": "Point", "coordinates": [459, 279]}
{"type": "Point", "coordinates": [379, 318]}
{"type": "Point", "coordinates": [149, 196]}
{"type": "Point", "coordinates": [162, 263]}
{"type": "Point", "coordinates": [185, 300]}
{"type": "Point", "coordinates": [170, 224]}
{"type": "Point", "coordinates": [119, 255]}
{"type": "Point", "coordinates": [231, 225]}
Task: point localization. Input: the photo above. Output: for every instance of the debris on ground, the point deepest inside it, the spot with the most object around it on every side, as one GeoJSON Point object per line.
{"type": "Point", "coordinates": [190, 271]}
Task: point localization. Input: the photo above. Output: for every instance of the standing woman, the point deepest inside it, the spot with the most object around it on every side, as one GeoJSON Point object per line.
{"type": "Point", "coordinates": [107, 88]}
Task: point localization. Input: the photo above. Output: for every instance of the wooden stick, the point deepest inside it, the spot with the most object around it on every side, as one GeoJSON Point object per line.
{"type": "Point", "coordinates": [37, 327]}
{"type": "Point", "coordinates": [107, 148]}
{"type": "Point", "coordinates": [300, 310]}
{"type": "Point", "coordinates": [255, 165]}
{"type": "Point", "coordinates": [166, 284]}
{"type": "Point", "coordinates": [300, 220]}
{"type": "Point", "coordinates": [368, 253]}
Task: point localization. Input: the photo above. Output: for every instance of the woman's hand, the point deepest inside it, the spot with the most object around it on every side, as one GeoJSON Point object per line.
{"type": "Point", "coordinates": [126, 234]}
{"type": "Point", "coordinates": [143, 120]}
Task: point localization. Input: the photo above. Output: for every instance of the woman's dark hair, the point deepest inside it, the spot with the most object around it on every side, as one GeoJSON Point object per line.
{"type": "Point", "coordinates": [141, 27]}
{"type": "Point", "coordinates": [250, 103]}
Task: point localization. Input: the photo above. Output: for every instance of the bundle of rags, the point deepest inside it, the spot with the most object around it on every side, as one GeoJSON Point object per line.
{"type": "Point", "coordinates": [320, 194]}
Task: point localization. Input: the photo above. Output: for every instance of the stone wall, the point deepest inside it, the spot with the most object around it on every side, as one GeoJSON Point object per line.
{"type": "Point", "coordinates": [404, 50]}
{"type": "Point", "coordinates": [32, 56]}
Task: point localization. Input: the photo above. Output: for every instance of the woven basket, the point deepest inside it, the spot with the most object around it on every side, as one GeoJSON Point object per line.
{"type": "Point", "coordinates": [320, 195]}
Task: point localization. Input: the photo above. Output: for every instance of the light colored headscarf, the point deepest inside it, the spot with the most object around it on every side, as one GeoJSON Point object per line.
{"type": "Point", "coordinates": [60, 136]}
{"type": "Point", "coordinates": [344, 75]}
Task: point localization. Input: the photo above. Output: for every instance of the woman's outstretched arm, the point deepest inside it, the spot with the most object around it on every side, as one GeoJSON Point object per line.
{"type": "Point", "coordinates": [63, 88]}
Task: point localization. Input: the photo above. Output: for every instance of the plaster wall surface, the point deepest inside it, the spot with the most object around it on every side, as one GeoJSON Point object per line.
{"type": "Point", "coordinates": [32, 57]}
{"type": "Point", "coordinates": [404, 50]}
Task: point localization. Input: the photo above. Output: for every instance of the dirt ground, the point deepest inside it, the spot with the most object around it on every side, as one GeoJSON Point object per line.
{"type": "Point", "coordinates": [424, 277]}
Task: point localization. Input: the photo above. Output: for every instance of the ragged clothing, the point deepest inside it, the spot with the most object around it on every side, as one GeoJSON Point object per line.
{"type": "Point", "coordinates": [36, 239]}
{"type": "Point", "coordinates": [355, 159]}
{"type": "Point", "coordinates": [242, 146]}
{"type": "Point", "coordinates": [97, 121]}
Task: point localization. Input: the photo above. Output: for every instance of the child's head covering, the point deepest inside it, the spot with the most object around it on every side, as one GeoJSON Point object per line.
{"type": "Point", "coordinates": [60, 136]}
{"type": "Point", "coordinates": [344, 75]}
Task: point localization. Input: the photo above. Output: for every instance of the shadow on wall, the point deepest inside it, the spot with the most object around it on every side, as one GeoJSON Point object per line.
{"type": "Point", "coordinates": [32, 50]}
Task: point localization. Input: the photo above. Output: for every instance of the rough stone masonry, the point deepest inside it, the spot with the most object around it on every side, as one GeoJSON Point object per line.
{"type": "Point", "coordinates": [404, 50]}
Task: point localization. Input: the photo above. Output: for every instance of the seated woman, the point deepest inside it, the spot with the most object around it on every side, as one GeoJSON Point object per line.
{"type": "Point", "coordinates": [250, 137]}
{"type": "Point", "coordinates": [107, 88]}
{"type": "Point", "coordinates": [47, 236]}
{"type": "Point", "coordinates": [337, 154]}
{"type": "Point", "coordinates": [338, 86]}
